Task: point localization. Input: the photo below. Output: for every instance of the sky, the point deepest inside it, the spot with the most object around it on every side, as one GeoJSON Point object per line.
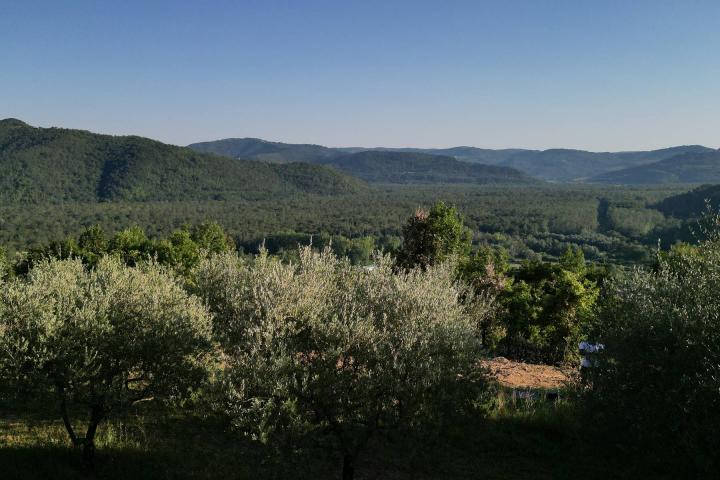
{"type": "Point", "coordinates": [590, 74]}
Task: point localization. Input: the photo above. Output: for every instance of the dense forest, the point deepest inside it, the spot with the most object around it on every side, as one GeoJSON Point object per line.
{"type": "Point", "coordinates": [59, 182]}
{"type": "Point", "coordinates": [616, 225]}
{"type": "Point", "coordinates": [691, 204]}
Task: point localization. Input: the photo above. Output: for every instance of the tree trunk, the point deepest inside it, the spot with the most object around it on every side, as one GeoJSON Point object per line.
{"type": "Point", "coordinates": [89, 444]}
{"type": "Point", "coordinates": [88, 453]}
{"type": "Point", "coordinates": [348, 467]}
{"type": "Point", "coordinates": [66, 417]}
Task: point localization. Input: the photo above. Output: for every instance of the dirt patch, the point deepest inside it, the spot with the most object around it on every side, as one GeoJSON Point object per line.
{"type": "Point", "coordinates": [513, 374]}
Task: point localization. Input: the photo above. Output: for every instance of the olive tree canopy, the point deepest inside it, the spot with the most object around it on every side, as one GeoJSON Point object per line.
{"type": "Point", "coordinates": [658, 378]}
{"type": "Point", "coordinates": [322, 347]}
{"type": "Point", "coordinates": [102, 338]}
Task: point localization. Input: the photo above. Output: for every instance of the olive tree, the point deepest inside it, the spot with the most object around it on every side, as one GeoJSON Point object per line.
{"type": "Point", "coordinates": [323, 347]}
{"type": "Point", "coordinates": [101, 339]}
{"type": "Point", "coordinates": [658, 378]}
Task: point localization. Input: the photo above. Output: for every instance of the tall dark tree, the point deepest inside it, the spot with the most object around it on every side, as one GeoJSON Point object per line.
{"type": "Point", "coordinates": [419, 246]}
{"type": "Point", "coordinates": [431, 237]}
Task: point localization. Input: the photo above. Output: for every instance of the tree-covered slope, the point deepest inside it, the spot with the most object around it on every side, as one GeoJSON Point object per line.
{"type": "Point", "coordinates": [53, 164]}
{"type": "Point", "coordinates": [556, 165]}
{"type": "Point", "coordinates": [661, 154]}
{"type": "Point", "coordinates": [700, 167]}
{"type": "Point", "coordinates": [466, 154]}
{"type": "Point", "coordinates": [691, 204]}
{"type": "Point", "coordinates": [420, 168]}
{"type": "Point", "coordinates": [564, 165]}
{"type": "Point", "coordinates": [257, 149]}
{"type": "Point", "coordinates": [561, 164]}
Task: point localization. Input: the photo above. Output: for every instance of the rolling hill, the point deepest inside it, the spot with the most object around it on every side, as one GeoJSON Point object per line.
{"type": "Point", "coordinates": [695, 167]}
{"type": "Point", "coordinates": [257, 149]}
{"type": "Point", "coordinates": [565, 165]}
{"type": "Point", "coordinates": [555, 165]}
{"type": "Point", "coordinates": [422, 168]}
{"type": "Point", "coordinates": [54, 164]}
{"type": "Point", "coordinates": [465, 154]}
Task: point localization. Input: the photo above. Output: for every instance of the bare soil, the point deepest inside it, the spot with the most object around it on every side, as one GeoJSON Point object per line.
{"type": "Point", "coordinates": [514, 374]}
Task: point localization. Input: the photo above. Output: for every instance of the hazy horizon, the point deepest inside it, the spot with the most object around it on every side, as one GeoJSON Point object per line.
{"type": "Point", "coordinates": [535, 75]}
{"type": "Point", "coordinates": [561, 147]}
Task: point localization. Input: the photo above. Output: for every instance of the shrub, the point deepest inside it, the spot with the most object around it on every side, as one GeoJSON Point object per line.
{"type": "Point", "coordinates": [486, 273]}
{"type": "Point", "coordinates": [546, 308]}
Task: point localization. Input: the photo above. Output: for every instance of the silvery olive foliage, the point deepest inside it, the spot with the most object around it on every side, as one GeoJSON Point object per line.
{"type": "Point", "coordinates": [659, 375]}
{"type": "Point", "coordinates": [101, 338]}
{"type": "Point", "coordinates": [321, 346]}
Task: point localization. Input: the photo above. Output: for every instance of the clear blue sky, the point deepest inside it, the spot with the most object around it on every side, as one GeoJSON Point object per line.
{"type": "Point", "coordinates": [593, 74]}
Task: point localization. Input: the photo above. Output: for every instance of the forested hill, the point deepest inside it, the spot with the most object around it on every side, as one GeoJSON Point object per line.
{"type": "Point", "coordinates": [377, 166]}
{"type": "Point", "coordinates": [564, 165]}
{"type": "Point", "coordinates": [557, 164]}
{"type": "Point", "coordinates": [421, 168]}
{"type": "Point", "coordinates": [691, 204]}
{"type": "Point", "coordinates": [257, 149]}
{"type": "Point", "coordinates": [700, 167]}
{"type": "Point", "coordinates": [465, 154]}
{"type": "Point", "coordinates": [54, 164]}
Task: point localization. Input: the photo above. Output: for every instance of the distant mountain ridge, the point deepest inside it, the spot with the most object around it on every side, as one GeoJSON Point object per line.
{"type": "Point", "coordinates": [57, 165]}
{"type": "Point", "coordinates": [257, 149]}
{"type": "Point", "coordinates": [422, 168]}
{"type": "Point", "coordinates": [465, 154]}
{"type": "Point", "coordinates": [555, 165]}
{"type": "Point", "coordinates": [693, 167]}
{"type": "Point", "coordinates": [374, 166]}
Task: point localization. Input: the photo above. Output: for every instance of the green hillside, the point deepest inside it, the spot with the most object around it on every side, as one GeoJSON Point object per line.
{"type": "Point", "coordinates": [555, 165]}
{"type": "Point", "coordinates": [465, 154]}
{"type": "Point", "coordinates": [257, 149]}
{"type": "Point", "coordinates": [53, 164]}
{"type": "Point", "coordinates": [701, 167]}
{"type": "Point", "coordinates": [420, 168]}
{"type": "Point", "coordinates": [691, 204]}
{"type": "Point", "coordinates": [578, 165]}
{"type": "Point", "coordinates": [400, 166]}
{"type": "Point", "coordinates": [562, 164]}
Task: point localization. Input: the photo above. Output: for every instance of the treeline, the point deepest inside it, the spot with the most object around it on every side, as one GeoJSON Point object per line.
{"type": "Point", "coordinates": [184, 247]}
{"type": "Point", "coordinates": [181, 250]}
